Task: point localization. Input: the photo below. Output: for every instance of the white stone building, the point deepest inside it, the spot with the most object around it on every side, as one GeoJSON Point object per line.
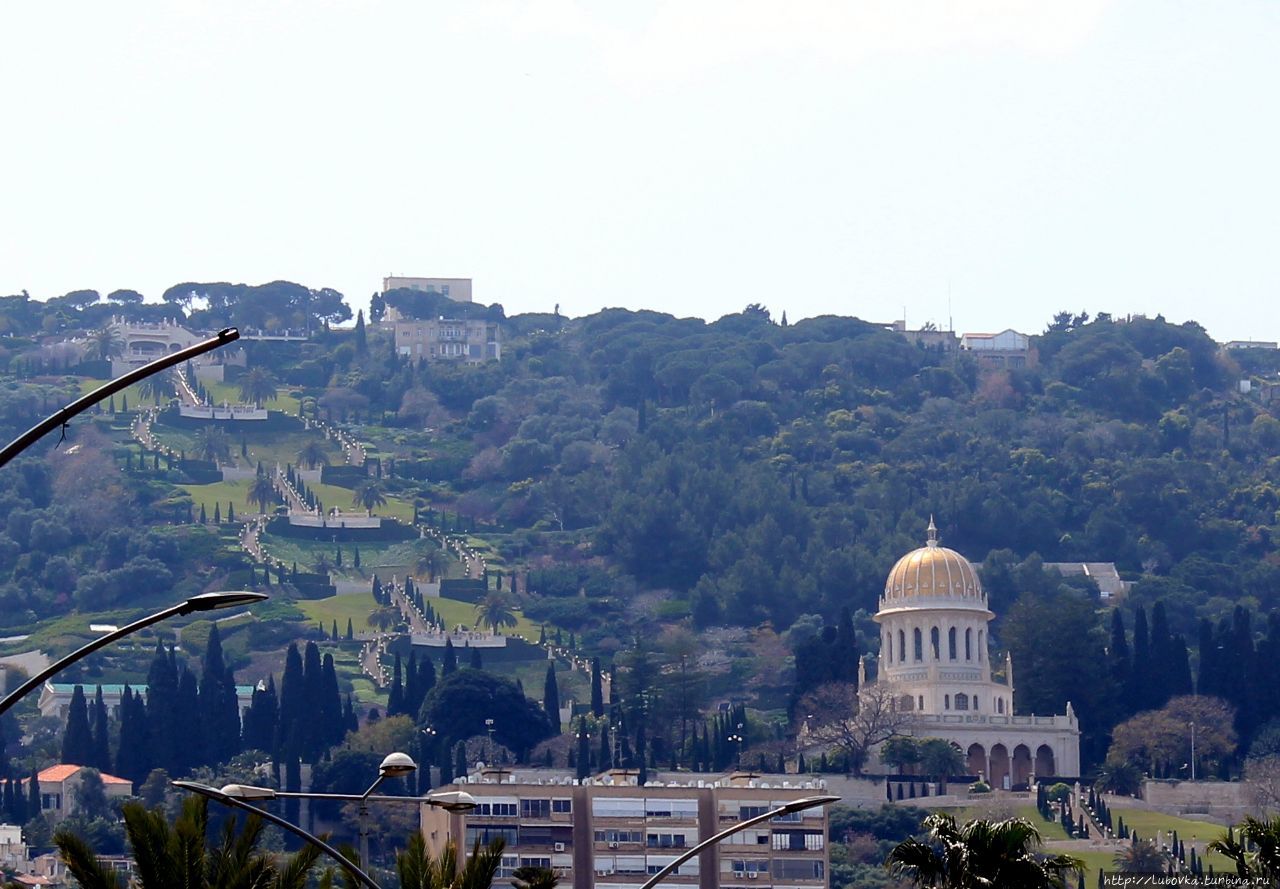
{"type": "Point", "coordinates": [933, 650]}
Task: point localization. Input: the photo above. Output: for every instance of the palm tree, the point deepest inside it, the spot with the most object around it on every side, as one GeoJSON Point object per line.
{"type": "Point", "coordinates": [418, 870]}
{"type": "Point", "coordinates": [368, 496]}
{"type": "Point", "coordinates": [212, 444]}
{"type": "Point", "coordinates": [312, 455]}
{"type": "Point", "coordinates": [262, 492]}
{"type": "Point", "coordinates": [257, 386]}
{"type": "Point", "coordinates": [1142, 857]}
{"type": "Point", "coordinates": [495, 611]}
{"type": "Point", "coordinates": [180, 854]}
{"type": "Point", "coordinates": [431, 564]}
{"type": "Point", "coordinates": [104, 344]}
{"type": "Point", "coordinates": [1264, 861]}
{"type": "Point", "coordinates": [384, 618]}
{"type": "Point", "coordinates": [530, 877]}
{"type": "Point", "coordinates": [980, 853]}
{"type": "Point", "coordinates": [156, 387]}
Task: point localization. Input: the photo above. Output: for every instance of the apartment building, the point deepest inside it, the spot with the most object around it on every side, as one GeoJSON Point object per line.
{"type": "Point", "coordinates": [457, 289]}
{"type": "Point", "coordinates": [609, 833]}
{"type": "Point", "coordinates": [469, 340]}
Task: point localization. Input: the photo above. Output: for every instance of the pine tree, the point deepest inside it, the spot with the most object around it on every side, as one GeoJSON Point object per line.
{"type": "Point", "coordinates": [101, 739]}
{"type": "Point", "coordinates": [77, 740]}
{"type": "Point", "coordinates": [551, 698]}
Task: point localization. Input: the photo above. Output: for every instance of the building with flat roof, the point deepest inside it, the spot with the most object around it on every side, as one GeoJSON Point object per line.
{"type": "Point", "coordinates": [457, 289]}
{"type": "Point", "coordinates": [1006, 349]}
{"type": "Point", "coordinates": [470, 340]}
{"type": "Point", "coordinates": [609, 832]}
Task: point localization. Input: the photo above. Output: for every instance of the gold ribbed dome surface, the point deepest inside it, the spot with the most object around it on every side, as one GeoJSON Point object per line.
{"type": "Point", "coordinates": [934, 572]}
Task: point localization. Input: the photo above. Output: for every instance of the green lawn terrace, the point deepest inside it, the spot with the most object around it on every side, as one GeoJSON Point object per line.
{"type": "Point", "coordinates": [383, 558]}
{"type": "Point", "coordinates": [249, 442]}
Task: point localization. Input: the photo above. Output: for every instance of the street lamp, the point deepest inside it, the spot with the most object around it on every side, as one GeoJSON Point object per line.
{"type": "Point", "coordinates": [737, 738]}
{"type": "Point", "coordinates": [1193, 751]}
{"type": "Point", "coordinates": [237, 803]}
{"type": "Point", "coordinates": [799, 805]}
{"type": "Point", "coordinates": [488, 724]}
{"type": "Point", "coordinates": [202, 602]}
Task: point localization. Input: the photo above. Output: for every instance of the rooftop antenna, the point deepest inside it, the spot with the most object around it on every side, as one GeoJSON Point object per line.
{"type": "Point", "coordinates": [951, 325]}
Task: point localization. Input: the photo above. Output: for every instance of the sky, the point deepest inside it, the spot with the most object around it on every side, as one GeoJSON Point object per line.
{"type": "Point", "coordinates": [981, 164]}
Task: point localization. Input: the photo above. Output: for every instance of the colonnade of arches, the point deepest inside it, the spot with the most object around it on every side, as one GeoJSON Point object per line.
{"type": "Point", "coordinates": [997, 764]}
{"type": "Point", "coordinates": [897, 651]}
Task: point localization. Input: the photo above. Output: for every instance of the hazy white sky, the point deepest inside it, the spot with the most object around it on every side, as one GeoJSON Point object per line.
{"type": "Point", "coordinates": [816, 156]}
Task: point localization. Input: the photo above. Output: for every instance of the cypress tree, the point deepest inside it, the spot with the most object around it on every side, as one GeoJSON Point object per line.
{"type": "Point", "coordinates": [606, 752]}
{"type": "Point", "coordinates": [361, 339]}
{"type": "Point", "coordinates": [395, 700]}
{"type": "Point", "coordinates": [450, 658]}
{"type": "Point", "coordinates": [231, 512]}
{"type": "Point", "coordinates": [551, 698]}
{"type": "Point", "coordinates": [34, 807]}
{"type": "Point", "coordinates": [293, 783]}
{"type": "Point", "coordinates": [584, 749]}
{"type": "Point", "coordinates": [313, 694]}
{"type": "Point", "coordinates": [1161, 656]}
{"type": "Point", "coordinates": [355, 556]}
{"type": "Point", "coordinates": [330, 713]}
{"type": "Point", "coordinates": [204, 519]}
{"type": "Point", "coordinates": [77, 740]}
{"type": "Point", "coordinates": [217, 514]}
{"type": "Point", "coordinates": [260, 721]}
{"type": "Point", "coordinates": [476, 663]}
{"type": "Point", "coordinates": [1179, 668]}
{"type": "Point", "coordinates": [101, 740]}
{"type": "Point", "coordinates": [350, 631]}
{"type": "Point", "coordinates": [219, 707]}
{"type": "Point", "coordinates": [1140, 693]}
{"type": "Point", "coordinates": [460, 758]}
{"type": "Point", "coordinates": [597, 689]}
{"type": "Point", "coordinates": [1206, 683]}
{"type": "Point", "coordinates": [349, 719]}
{"type": "Point", "coordinates": [333, 632]}
{"type": "Point", "coordinates": [293, 704]}
{"type": "Point", "coordinates": [192, 751]}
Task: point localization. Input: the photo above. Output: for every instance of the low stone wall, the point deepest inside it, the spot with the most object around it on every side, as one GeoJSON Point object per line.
{"type": "Point", "coordinates": [1225, 801]}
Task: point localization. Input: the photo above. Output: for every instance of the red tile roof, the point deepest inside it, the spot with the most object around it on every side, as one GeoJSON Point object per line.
{"type": "Point", "coordinates": [59, 773]}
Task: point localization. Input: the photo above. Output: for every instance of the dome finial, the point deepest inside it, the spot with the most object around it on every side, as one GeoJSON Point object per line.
{"type": "Point", "coordinates": [933, 532]}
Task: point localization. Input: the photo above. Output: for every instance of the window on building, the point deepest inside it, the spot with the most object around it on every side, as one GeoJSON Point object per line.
{"type": "Point", "coordinates": [561, 806]}
{"type": "Point", "coordinates": [501, 810]}
{"type": "Point", "coordinates": [798, 869]}
{"type": "Point", "coordinates": [946, 702]}
{"type": "Point", "coordinates": [918, 639]}
{"type": "Point", "coordinates": [535, 808]}
{"type": "Point", "coordinates": [484, 834]}
{"type": "Point", "coordinates": [982, 644]}
{"type": "Point", "coordinates": [665, 841]}
{"type": "Point", "coordinates": [934, 638]}
{"type": "Point", "coordinates": [968, 644]}
{"type": "Point", "coordinates": [951, 643]}
{"type": "Point", "coordinates": [1000, 705]}
{"type": "Point", "coordinates": [920, 702]}
{"type": "Point", "coordinates": [902, 647]}
{"type": "Point", "coordinates": [743, 866]}
{"type": "Point", "coordinates": [962, 701]}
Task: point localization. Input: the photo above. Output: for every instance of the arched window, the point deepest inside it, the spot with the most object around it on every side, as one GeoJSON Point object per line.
{"type": "Point", "coordinates": [982, 645]}
{"type": "Point", "coordinates": [975, 702]}
{"type": "Point", "coordinates": [918, 638]}
{"type": "Point", "coordinates": [934, 643]}
{"type": "Point", "coordinates": [951, 642]}
{"type": "Point", "coordinates": [946, 702]}
{"type": "Point", "coordinates": [887, 644]}
{"type": "Point", "coordinates": [968, 643]}
{"type": "Point", "coordinates": [962, 701]}
{"type": "Point", "coordinates": [999, 705]}
{"type": "Point", "coordinates": [902, 647]}
{"type": "Point", "coordinates": [920, 700]}
{"type": "Point", "coordinates": [908, 702]}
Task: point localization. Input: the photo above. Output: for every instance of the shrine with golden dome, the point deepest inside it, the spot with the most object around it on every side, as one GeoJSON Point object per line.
{"type": "Point", "coordinates": [934, 621]}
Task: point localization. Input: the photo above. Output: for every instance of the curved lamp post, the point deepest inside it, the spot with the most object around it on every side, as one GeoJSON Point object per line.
{"type": "Point", "coordinates": [393, 766]}
{"type": "Point", "coordinates": [63, 415]}
{"type": "Point", "coordinates": [228, 800]}
{"type": "Point", "coordinates": [202, 602]}
{"type": "Point", "coordinates": [798, 805]}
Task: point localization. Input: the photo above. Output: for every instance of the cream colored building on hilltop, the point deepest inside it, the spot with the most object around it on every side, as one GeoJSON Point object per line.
{"type": "Point", "coordinates": [933, 621]}
{"type": "Point", "coordinates": [457, 289]}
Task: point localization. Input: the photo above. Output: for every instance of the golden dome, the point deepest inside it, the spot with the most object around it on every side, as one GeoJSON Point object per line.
{"type": "Point", "coordinates": [933, 572]}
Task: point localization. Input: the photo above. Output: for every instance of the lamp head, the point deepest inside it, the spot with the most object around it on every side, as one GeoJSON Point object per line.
{"type": "Point", "coordinates": [397, 765]}
{"type": "Point", "coordinates": [214, 601]}
{"type": "Point", "coordinates": [452, 800]}
{"type": "Point", "coordinates": [248, 792]}
{"type": "Point", "coordinates": [809, 802]}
